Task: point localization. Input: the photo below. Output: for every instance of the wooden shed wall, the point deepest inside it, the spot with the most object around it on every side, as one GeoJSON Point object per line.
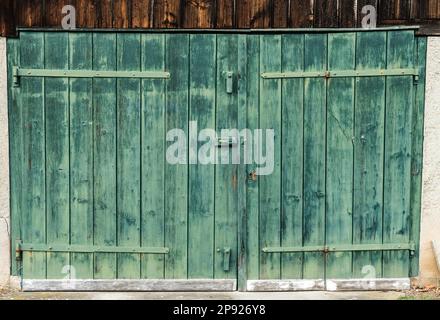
{"type": "Point", "coordinates": [214, 13]}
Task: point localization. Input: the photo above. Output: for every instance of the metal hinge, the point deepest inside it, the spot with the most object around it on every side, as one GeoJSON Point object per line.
{"type": "Point", "coordinates": [18, 72]}
{"type": "Point", "coordinates": [18, 251]}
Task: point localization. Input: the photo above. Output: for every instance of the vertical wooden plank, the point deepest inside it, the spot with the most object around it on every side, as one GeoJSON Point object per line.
{"type": "Point", "coordinates": [260, 14]}
{"type": "Point", "coordinates": [242, 176]}
{"type": "Point", "coordinates": [176, 176]}
{"type": "Point", "coordinates": [104, 14]}
{"type": "Point", "coordinates": [29, 13]}
{"type": "Point", "coordinates": [292, 156]}
{"type": "Point", "coordinates": [16, 129]}
{"type": "Point", "coordinates": [201, 176]}
{"type": "Point", "coordinates": [153, 155]}
{"type": "Point", "coordinates": [301, 14]}
{"type": "Point", "coordinates": [417, 153]}
{"type": "Point", "coordinates": [280, 14]}
{"type": "Point", "coordinates": [199, 14]}
{"type": "Point", "coordinates": [339, 169]}
{"type": "Point", "coordinates": [86, 13]}
{"type": "Point", "coordinates": [81, 153]}
{"type": "Point", "coordinates": [57, 152]}
{"type": "Point", "coordinates": [395, 9]}
{"type": "Point", "coordinates": [34, 168]}
{"type": "Point", "coordinates": [167, 14]}
{"type": "Point", "coordinates": [141, 13]}
{"type": "Point", "coordinates": [104, 158]}
{"type": "Point", "coordinates": [225, 15]}
{"type": "Point", "coordinates": [128, 154]}
{"type": "Point", "coordinates": [52, 13]}
{"type": "Point", "coordinates": [314, 155]}
{"type": "Point", "coordinates": [270, 193]}
{"type": "Point", "coordinates": [226, 193]}
{"type": "Point", "coordinates": [7, 18]}
{"type": "Point", "coordinates": [243, 13]}
{"type": "Point", "coordinates": [121, 14]}
{"type": "Point", "coordinates": [252, 187]}
{"type": "Point", "coordinates": [347, 14]}
{"type": "Point", "coordinates": [397, 176]}
{"type": "Point", "coordinates": [326, 14]}
{"type": "Point", "coordinates": [369, 153]}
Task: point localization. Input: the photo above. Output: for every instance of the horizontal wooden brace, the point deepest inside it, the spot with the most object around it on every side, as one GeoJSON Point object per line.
{"type": "Point", "coordinates": [343, 248]}
{"type": "Point", "coordinates": [90, 249]}
{"type": "Point", "coordinates": [341, 73]}
{"type": "Point", "coordinates": [19, 72]}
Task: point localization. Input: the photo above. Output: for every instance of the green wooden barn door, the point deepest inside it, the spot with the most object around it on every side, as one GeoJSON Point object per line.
{"type": "Point", "coordinates": [345, 108]}
{"type": "Point", "coordinates": [94, 195]}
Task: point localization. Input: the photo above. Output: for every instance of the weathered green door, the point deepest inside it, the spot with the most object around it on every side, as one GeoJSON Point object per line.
{"type": "Point", "coordinates": [94, 195]}
{"type": "Point", "coordinates": [344, 199]}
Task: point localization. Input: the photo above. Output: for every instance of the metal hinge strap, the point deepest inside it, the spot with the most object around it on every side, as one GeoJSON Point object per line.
{"type": "Point", "coordinates": [341, 73]}
{"type": "Point", "coordinates": [344, 248]}
{"type": "Point", "coordinates": [91, 249]}
{"type": "Point", "coordinates": [19, 72]}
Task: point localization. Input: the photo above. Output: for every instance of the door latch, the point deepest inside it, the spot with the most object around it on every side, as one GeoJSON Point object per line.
{"type": "Point", "coordinates": [226, 258]}
{"type": "Point", "coordinates": [229, 82]}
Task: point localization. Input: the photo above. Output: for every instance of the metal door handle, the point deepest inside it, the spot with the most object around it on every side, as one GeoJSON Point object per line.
{"type": "Point", "coordinates": [229, 82]}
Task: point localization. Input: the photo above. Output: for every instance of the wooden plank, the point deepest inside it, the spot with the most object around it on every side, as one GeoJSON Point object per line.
{"type": "Point", "coordinates": [397, 176]}
{"type": "Point", "coordinates": [130, 285]}
{"type": "Point", "coordinates": [86, 13]}
{"type": "Point", "coordinates": [153, 155]}
{"type": "Point", "coordinates": [347, 13]}
{"type": "Point", "coordinates": [33, 161]}
{"type": "Point", "coordinates": [121, 14]}
{"type": "Point", "coordinates": [417, 153]}
{"type": "Point", "coordinates": [242, 87]}
{"type": "Point", "coordinates": [29, 13]}
{"type": "Point", "coordinates": [339, 171]}
{"type": "Point", "coordinates": [225, 15]}
{"type": "Point", "coordinates": [128, 154]}
{"type": "Point", "coordinates": [201, 176]}
{"type": "Point", "coordinates": [104, 158]}
{"type": "Point", "coordinates": [395, 9]}
{"type": "Point", "coordinates": [368, 284]}
{"type": "Point", "coordinates": [52, 13]}
{"type": "Point", "coordinates": [326, 14]}
{"type": "Point", "coordinates": [226, 175]}
{"type": "Point", "coordinates": [285, 285]}
{"type": "Point", "coordinates": [270, 193]}
{"type": "Point", "coordinates": [167, 14]}
{"type": "Point", "coordinates": [16, 129]}
{"type": "Point", "coordinates": [7, 18]}
{"type": "Point", "coordinates": [199, 14]}
{"type": "Point", "coordinates": [292, 156]}
{"type": "Point", "coordinates": [57, 152]}
{"type": "Point", "coordinates": [368, 153]}
{"type": "Point", "coordinates": [314, 155]}
{"type": "Point", "coordinates": [176, 176]}
{"type": "Point", "coordinates": [260, 14]}
{"type": "Point", "coordinates": [280, 14]}
{"type": "Point", "coordinates": [252, 186]}
{"type": "Point", "coordinates": [141, 13]}
{"type": "Point", "coordinates": [243, 13]}
{"type": "Point", "coordinates": [301, 14]}
{"type": "Point", "coordinates": [104, 14]}
{"type": "Point", "coordinates": [81, 153]}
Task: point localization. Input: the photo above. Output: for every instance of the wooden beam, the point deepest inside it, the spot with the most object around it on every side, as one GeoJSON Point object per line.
{"type": "Point", "coordinates": [128, 285]}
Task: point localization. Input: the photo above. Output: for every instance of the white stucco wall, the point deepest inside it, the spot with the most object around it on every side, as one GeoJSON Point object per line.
{"type": "Point", "coordinates": [430, 228]}
{"type": "Point", "coordinates": [4, 170]}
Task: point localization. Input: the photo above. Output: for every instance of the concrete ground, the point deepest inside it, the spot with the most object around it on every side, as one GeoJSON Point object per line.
{"type": "Point", "coordinates": [310, 295]}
